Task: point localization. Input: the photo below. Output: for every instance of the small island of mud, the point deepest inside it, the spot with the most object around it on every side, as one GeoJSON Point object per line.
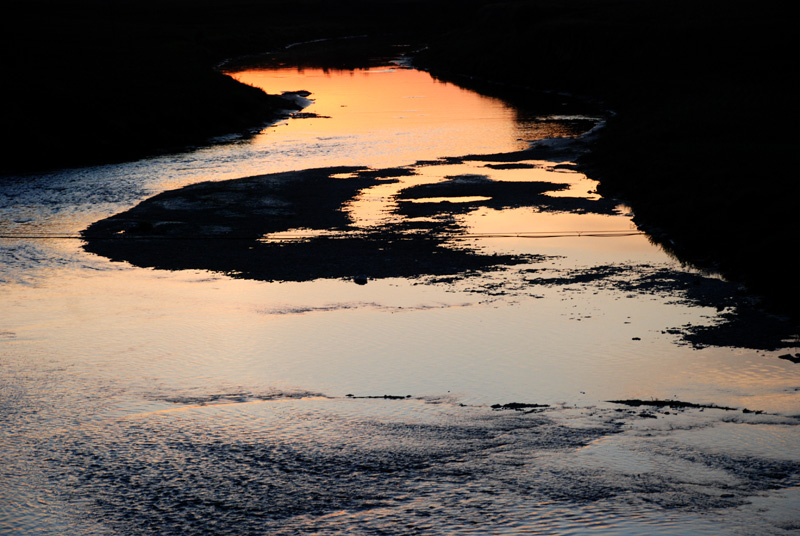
{"type": "Point", "coordinates": [226, 227]}
{"type": "Point", "coordinates": [293, 226]}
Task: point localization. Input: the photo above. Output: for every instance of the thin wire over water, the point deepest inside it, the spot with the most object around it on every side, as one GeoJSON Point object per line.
{"type": "Point", "coordinates": [300, 236]}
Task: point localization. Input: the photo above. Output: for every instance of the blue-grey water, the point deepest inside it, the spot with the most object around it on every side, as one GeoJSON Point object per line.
{"type": "Point", "coordinates": [143, 401]}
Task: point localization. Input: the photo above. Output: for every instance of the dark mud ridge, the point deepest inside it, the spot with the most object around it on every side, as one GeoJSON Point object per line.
{"type": "Point", "coordinates": [677, 405]}
{"type": "Point", "coordinates": [221, 227]}
{"type": "Point", "coordinates": [520, 406]}
{"type": "Point", "coordinates": [741, 321]}
{"type": "Point", "coordinates": [227, 226]}
{"type": "Point", "coordinates": [789, 357]}
{"type": "Point", "coordinates": [384, 397]}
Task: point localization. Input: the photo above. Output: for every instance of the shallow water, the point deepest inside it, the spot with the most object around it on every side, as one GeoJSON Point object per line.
{"type": "Point", "coordinates": [141, 401]}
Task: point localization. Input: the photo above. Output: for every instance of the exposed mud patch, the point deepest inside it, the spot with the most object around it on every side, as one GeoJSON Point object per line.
{"type": "Point", "coordinates": [739, 321]}
{"type": "Point", "coordinates": [220, 226]}
{"type": "Point", "coordinates": [495, 195]}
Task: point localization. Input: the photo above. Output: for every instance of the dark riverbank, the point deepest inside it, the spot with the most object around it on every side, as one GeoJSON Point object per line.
{"type": "Point", "coordinates": [91, 82]}
{"type": "Point", "coordinates": [704, 123]}
{"type": "Point", "coordinates": [704, 112]}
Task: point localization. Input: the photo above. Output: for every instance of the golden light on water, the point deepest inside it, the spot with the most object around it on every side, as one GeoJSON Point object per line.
{"type": "Point", "coordinates": [114, 371]}
{"type": "Point", "coordinates": [418, 118]}
{"type": "Point", "coordinates": [414, 116]}
{"type": "Point", "coordinates": [376, 98]}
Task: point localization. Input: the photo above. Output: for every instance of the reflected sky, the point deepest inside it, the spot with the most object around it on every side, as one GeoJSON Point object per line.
{"type": "Point", "coordinates": [403, 112]}
{"type": "Point", "coordinates": [97, 354]}
{"type": "Point", "coordinates": [56, 293]}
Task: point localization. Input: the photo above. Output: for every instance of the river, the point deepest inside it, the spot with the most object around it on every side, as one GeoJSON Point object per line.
{"type": "Point", "coordinates": [140, 400]}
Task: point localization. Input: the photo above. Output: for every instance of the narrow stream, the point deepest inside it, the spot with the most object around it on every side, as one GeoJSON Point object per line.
{"type": "Point", "coordinates": [136, 400]}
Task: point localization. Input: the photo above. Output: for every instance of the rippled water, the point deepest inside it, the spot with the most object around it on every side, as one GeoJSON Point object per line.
{"type": "Point", "coordinates": [141, 401]}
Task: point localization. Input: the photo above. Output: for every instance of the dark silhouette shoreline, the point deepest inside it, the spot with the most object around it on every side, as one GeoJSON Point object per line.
{"type": "Point", "coordinates": [704, 117]}
{"type": "Point", "coordinates": [698, 146]}
{"type": "Point", "coordinates": [93, 82]}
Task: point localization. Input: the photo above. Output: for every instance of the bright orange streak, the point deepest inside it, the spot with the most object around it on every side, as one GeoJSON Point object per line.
{"type": "Point", "coordinates": [404, 100]}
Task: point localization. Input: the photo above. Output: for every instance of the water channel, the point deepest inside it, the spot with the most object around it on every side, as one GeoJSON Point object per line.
{"type": "Point", "coordinates": [140, 400]}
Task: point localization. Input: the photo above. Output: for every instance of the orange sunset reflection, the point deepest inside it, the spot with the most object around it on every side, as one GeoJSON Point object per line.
{"type": "Point", "coordinates": [427, 118]}
{"type": "Point", "coordinates": [392, 116]}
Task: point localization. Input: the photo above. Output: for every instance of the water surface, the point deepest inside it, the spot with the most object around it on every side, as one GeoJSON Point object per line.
{"type": "Point", "coordinates": [140, 401]}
